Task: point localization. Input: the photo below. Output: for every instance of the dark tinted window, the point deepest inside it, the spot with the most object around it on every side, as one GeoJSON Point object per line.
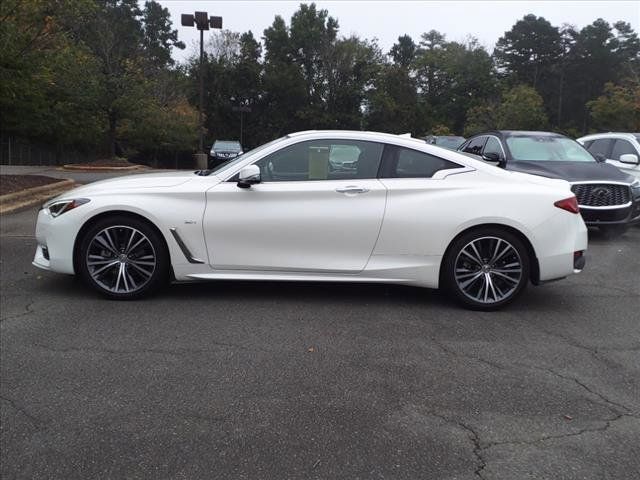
{"type": "Point", "coordinates": [475, 145]}
{"type": "Point", "coordinates": [601, 146]}
{"type": "Point", "coordinates": [493, 146]}
{"type": "Point", "coordinates": [407, 163]}
{"type": "Point", "coordinates": [322, 160]}
{"type": "Point", "coordinates": [620, 147]}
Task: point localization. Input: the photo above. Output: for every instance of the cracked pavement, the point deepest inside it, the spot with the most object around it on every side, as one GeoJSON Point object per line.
{"type": "Point", "coordinates": [277, 380]}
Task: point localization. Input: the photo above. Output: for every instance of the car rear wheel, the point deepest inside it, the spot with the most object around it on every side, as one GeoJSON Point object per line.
{"type": "Point", "coordinates": [486, 268]}
{"type": "Point", "coordinates": [123, 258]}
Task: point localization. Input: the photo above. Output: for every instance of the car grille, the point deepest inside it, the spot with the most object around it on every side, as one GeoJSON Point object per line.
{"type": "Point", "coordinates": [601, 194]}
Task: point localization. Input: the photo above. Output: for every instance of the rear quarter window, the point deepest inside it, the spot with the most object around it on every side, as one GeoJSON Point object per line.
{"type": "Point", "coordinates": [408, 163]}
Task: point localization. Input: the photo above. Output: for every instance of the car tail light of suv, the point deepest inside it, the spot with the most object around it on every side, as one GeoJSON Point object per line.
{"type": "Point", "coordinates": [569, 204]}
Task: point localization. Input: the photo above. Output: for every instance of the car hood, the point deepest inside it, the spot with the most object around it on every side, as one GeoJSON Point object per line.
{"type": "Point", "coordinates": [572, 171]}
{"type": "Point", "coordinates": [136, 182]}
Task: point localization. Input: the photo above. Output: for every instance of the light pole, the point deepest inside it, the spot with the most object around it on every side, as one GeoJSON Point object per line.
{"type": "Point", "coordinates": [242, 107]}
{"type": "Point", "coordinates": [202, 22]}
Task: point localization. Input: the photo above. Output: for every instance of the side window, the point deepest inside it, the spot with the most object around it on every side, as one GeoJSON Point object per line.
{"type": "Point", "coordinates": [601, 146]}
{"type": "Point", "coordinates": [493, 146]}
{"type": "Point", "coordinates": [322, 160]}
{"type": "Point", "coordinates": [408, 163]}
{"type": "Point", "coordinates": [475, 145]}
{"type": "Point", "coordinates": [621, 147]}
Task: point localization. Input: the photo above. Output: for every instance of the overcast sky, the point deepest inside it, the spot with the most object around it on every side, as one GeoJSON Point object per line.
{"type": "Point", "coordinates": [386, 20]}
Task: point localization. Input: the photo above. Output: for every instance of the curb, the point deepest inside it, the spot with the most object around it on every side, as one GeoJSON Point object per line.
{"type": "Point", "coordinates": [88, 168]}
{"type": "Point", "coordinates": [33, 196]}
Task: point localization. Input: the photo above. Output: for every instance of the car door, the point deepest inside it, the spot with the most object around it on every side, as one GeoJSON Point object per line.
{"type": "Point", "coordinates": [622, 147]}
{"type": "Point", "coordinates": [307, 213]}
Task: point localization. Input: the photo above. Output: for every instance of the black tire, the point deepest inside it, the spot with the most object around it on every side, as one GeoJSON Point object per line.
{"type": "Point", "coordinates": [613, 231]}
{"type": "Point", "coordinates": [465, 279]}
{"type": "Point", "coordinates": [103, 246]}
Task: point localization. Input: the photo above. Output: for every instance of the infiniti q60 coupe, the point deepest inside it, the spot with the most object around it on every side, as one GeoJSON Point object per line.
{"type": "Point", "coordinates": [399, 211]}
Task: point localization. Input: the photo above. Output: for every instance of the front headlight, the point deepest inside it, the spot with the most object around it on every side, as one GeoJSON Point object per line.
{"type": "Point", "coordinates": [58, 207]}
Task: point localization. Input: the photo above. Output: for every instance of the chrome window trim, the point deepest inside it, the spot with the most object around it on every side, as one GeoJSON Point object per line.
{"type": "Point", "coordinates": [504, 155]}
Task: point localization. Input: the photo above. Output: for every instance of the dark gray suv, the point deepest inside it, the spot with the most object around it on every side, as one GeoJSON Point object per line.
{"type": "Point", "coordinates": [223, 150]}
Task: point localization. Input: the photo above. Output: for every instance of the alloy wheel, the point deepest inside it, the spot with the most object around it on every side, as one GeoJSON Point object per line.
{"type": "Point", "coordinates": [121, 259]}
{"type": "Point", "coordinates": [488, 270]}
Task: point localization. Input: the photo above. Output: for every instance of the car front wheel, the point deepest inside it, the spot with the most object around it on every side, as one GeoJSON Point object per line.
{"type": "Point", "coordinates": [123, 258]}
{"type": "Point", "coordinates": [486, 268]}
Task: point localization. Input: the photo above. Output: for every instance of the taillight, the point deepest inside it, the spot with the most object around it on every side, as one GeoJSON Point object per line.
{"type": "Point", "coordinates": [569, 204]}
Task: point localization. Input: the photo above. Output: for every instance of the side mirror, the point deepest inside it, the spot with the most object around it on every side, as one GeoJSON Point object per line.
{"type": "Point", "coordinates": [248, 176]}
{"type": "Point", "coordinates": [600, 157]}
{"type": "Point", "coordinates": [629, 158]}
{"type": "Point", "coordinates": [493, 157]}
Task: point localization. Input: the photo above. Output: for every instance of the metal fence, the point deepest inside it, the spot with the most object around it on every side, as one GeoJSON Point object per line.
{"type": "Point", "coordinates": [14, 151]}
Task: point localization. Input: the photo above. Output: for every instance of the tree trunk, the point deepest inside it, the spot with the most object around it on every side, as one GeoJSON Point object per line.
{"type": "Point", "coordinates": [113, 123]}
{"type": "Point", "coordinates": [559, 120]}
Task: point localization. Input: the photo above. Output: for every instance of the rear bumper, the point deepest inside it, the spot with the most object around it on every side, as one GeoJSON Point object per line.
{"type": "Point", "coordinates": [557, 243]}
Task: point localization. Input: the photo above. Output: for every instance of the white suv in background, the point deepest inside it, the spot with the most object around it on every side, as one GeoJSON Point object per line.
{"type": "Point", "coordinates": [619, 149]}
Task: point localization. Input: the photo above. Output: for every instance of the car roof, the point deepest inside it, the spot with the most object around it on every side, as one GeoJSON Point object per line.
{"type": "Point", "coordinates": [594, 136]}
{"type": "Point", "coordinates": [518, 133]}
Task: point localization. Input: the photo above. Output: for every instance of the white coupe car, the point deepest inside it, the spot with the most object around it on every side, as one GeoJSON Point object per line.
{"type": "Point", "coordinates": [405, 212]}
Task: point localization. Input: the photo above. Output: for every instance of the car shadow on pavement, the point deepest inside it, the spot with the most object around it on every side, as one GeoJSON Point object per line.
{"type": "Point", "coordinates": [239, 290]}
{"type": "Point", "coordinates": [322, 294]}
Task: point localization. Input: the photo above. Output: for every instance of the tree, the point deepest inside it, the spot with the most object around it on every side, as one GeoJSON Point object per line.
{"type": "Point", "coordinates": [453, 77]}
{"type": "Point", "coordinates": [480, 119]}
{"type": "Point", "coordinates": [47, 81]}
{"type": "Point", "coordinates": [403, 52]}
{"type": "Point", "coordinates": [283, 82]}
{"type": "Point", "coordinates": [599, 54]}
{"type": "Point", "coordinates": [124, 45]}
{"type": "Point", "coordinates": [393, 104]}
{"type": "Point", "coordinates": [350, 69]}
{"type": "Point", "coordinates": [527, 51]}
{"type": "Point", "coordinates": [618, 109]}
{"type": "Point", "coordinates": [158, 38]}
{"type": "Point", "coordinates": [521, 109]}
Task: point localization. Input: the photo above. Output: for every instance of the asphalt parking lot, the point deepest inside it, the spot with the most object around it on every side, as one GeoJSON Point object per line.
{"type": "Point", "coordinates": [276, 380]}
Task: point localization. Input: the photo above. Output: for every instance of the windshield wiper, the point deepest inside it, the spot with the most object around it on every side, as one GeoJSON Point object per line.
{"type": "Point", "coordinates": [203, 173]}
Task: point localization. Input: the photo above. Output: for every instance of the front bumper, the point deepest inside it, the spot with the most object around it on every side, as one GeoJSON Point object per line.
{"type": "Point", "coordinates": [55, 237]}
{"type": "Point", "coordinates": [595, 217]}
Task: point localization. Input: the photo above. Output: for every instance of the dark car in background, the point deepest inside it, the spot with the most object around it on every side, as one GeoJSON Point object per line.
{"type": "Point", "coordinates": [452, 142]}
{"type": "Point", "coordinates": [608, 198]}
{"type": "Point", "coordinates": [223, 150]}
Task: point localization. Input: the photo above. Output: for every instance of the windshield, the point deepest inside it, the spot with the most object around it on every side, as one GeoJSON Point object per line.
{"type": "Point", "coordinates": [547, 149]}
{"type": "Point", "coordinates": [230, 163]}
{"type": "Point", "coordinates": [226, 145]}
{"type": "Point", "coordinates": [449, 142]}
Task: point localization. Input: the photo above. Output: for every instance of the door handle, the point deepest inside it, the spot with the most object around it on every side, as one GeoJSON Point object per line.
{"type": "Point", "coordinates": [352, 189]}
